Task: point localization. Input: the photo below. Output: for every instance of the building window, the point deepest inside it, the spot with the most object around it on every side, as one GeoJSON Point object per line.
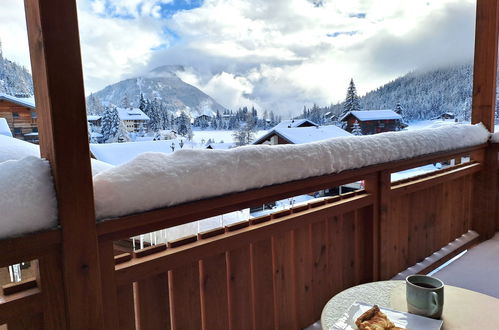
{"type": "Point", "coordinates": [35, 130]}
{"type": "Point", "coordinates": [17, 130]}
{"type": "Point", "coordinates": [33, 115]}
{"type": "Point", "coordinates": [15, 115]}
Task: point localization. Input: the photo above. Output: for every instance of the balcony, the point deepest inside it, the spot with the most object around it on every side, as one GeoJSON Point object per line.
{"type": "Point", "coordinates": [271, 272]}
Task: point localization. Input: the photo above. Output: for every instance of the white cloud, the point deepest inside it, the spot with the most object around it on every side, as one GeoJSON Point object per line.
{"type": "Point", "coordinates": [277, 55]}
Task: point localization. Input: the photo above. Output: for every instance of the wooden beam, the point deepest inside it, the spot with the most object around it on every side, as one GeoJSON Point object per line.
{"type": "Point", "coordinates": [485, 66]}
{"type": "Point", "coordinates": [60, 100]}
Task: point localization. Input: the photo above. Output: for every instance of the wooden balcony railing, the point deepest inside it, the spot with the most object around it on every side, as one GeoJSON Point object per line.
{"type": "Point", "coordinates": [272, 272]}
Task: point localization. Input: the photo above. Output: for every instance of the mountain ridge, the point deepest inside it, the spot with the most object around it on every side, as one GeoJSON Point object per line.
{"type": "Point", "coordinates": [163, 84]}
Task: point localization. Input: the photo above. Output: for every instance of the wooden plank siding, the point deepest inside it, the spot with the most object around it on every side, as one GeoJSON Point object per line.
{"type": "Point", "coordinates": [21, 120]}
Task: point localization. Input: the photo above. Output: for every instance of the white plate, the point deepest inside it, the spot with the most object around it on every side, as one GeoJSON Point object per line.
{"type": "Point", "coordinates": [400, 319]}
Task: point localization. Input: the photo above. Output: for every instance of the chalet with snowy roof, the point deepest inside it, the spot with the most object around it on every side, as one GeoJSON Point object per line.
{"type": "Point", "coordinates": [20, 113]}
{"type": "Point", "coordinates": [294, 123]}
{"type": "Point", "coordinates": [299, 135]}
{"type": "Point", "coordinates": [373, 121]}
{"type": "Point", "coordinates": [94, 120]}
{"type": "Point", "coordinates": [133, 118]}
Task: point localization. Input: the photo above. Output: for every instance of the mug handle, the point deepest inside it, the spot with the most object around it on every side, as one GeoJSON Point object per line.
{"type": "Point", "coordinates": [433, 297]}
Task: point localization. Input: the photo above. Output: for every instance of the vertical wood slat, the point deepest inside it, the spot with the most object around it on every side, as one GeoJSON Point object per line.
{"type": "Point", "coordinates": [29, 322]}
{"type": "Point", "coordinates": [49, 279]}
{"type": "Point", "coordinates": [363, 245]}
{"type": "Point", "coordinates": [484, 196]}
{"type": "Point", "coordinates": [60, 102]}
{"type": "Point", "coordinates": [240, 298]}
{"type": "Point", "coordinates": [385, 253]}
{"type": "Point", "coordinates": [109, 293]}
{"type": "Point", "coordinates": [284, 281]}
{"type": "Point", "coordinates": [334, 242]}
{"type": "Point", "coordinates": [320, 271]}
{"type": "Point", "coordinates": [348, 249]}
{"type": "Point", "coordinates": [153, 307]}
{"type": "Point", "coordinates": [262, 285]}
{"type": "Point", "coordinates": [214, 297]}
{"type": "Point", "coordinates": [303, 276]}
{"type": "Point", "coordinates": [485, 63]}
{"type": "Point", "coordinates": [126, 308]}
{"type": "Point", "coordinates": [185, 297]}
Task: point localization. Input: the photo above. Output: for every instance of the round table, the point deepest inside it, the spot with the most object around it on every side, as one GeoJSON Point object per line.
{"type": "Point", "coordinates": [463, 309]}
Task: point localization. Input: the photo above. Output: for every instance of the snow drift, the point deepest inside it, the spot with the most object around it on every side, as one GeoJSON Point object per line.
{"type": "Point", "coordinates": [27, 197]}
{"type": "Point", "coordinates": [154, 180]}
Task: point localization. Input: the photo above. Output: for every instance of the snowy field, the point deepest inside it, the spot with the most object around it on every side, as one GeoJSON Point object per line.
{"type": "Point", "coordinates": [218, 136]}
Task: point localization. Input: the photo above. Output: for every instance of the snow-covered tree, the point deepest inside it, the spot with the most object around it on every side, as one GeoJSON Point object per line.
{"type": "Point", "coordinates": [110, 124]}
{"type": "Point", "coordinates": [246, 132]}
{"type": "Point", "coordinates": [184, 125]}
{"type": "Point", "coordinates": [352, 102]}
{"type": "Point", "coordinates": [125, 102]}
{"type": "Point", "coordinates": [356, 129]}
{"type": "Point", "coordinates": [154, 114]}
{"type": "Point", "coordinates": [94, 105]}
{"type": "Point", "coordinates": [122, 135]}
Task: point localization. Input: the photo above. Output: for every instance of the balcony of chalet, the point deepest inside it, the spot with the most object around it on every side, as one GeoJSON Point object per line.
{"type": "Point", "coordinates": [275, 271]}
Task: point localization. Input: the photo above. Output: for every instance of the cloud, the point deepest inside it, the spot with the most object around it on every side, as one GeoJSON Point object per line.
{"type": "Point", "coordinates": [277, 55]}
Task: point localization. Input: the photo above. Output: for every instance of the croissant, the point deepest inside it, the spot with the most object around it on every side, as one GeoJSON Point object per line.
{"type": "Point", "coordinates": [374, 319]}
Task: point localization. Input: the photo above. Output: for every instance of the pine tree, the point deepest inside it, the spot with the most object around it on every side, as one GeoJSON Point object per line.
{"type": "Point", "coordinates": [356, 129]}
{"type": "Point", "coordinates": [125, 102]}
{"type": "Point", "coordinates": [184, 125]}
{"type": "Point", "coordinates": [110, 124]}
{"type": "Point", "coordinates": [154, 116]}
{"type": "Point", "coordinates": [142, 102]}
{"type": "Point", "coordinates": [352, 102]}
{"type": "Point", "coordinates": [122, 135]}
{"type": "Point", "coordinates": [246, 132]}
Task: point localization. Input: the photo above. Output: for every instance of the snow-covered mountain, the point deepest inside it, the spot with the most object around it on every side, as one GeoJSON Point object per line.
{"type": "Point", "coordinates": [426, 94]}
{"type": "Point", "coordinates": [163, 84]}
{"type": "Point", "coordinates": [14, 79]}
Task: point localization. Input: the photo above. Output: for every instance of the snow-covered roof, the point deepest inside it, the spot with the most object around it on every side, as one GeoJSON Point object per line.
{"type": "Point", "coordinates": [4, 128]}
{"type": "Point", "coordinates": [119, 153]}
{"type": "Point", "coordinates": [366, 115]}
{"type": "Point", "coordinates": [290, 123]}
{"type": "Point", "coordinates": [298, 135]}
{"type": "Point", "coordinates": [28, 102]}
{"type": "Point", "coordinates": [93, 117]}
{"type": "Point", "coordinates": [131, 114]}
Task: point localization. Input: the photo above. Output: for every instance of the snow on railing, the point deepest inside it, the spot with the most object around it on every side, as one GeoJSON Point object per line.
{"type": "Point", "coordinates": [495, 137]}
{"type": "Point", "coordinates": [154, 180]}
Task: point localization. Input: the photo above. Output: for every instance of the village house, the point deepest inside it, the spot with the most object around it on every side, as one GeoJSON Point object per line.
{"type": "Point", "coordinates": [284, 134]}
{"type": "Point", "coordinates": [133, 118]}
{"type": "Point", "coordinates": [373, 121]}
{"type": "Point", "coordinates": [20, 114]}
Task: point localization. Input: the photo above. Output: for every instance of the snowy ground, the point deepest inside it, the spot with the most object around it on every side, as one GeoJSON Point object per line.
{"type": "Point", "coordinates": [218, 136]}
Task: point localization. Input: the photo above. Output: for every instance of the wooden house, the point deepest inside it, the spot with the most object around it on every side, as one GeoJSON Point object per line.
{"type": "Point", "coordinates": [273, 272]}
{"type": "Point", "coordinates": [283, 134]}
{"type": "Point", "coordinates": [21, 116]}
{"type": "Point", "coordinates": [373, 121]}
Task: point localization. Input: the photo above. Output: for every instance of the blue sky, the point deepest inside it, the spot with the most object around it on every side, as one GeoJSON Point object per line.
{"type": "Point", "coordinates": [272, 54]}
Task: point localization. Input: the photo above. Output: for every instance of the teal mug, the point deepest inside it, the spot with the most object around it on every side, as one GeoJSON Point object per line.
{"type": "Point", "coordinates": [425, 295]}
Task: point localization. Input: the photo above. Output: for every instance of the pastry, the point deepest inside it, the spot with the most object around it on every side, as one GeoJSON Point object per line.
{"type": "Point", "coordinates": [374, 319]}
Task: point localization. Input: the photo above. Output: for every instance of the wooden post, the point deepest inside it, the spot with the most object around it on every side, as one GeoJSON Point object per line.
{"type": "Point", "coordinates": [485, 66]}
{"type": "Point", "coordinates": [60, 102]}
